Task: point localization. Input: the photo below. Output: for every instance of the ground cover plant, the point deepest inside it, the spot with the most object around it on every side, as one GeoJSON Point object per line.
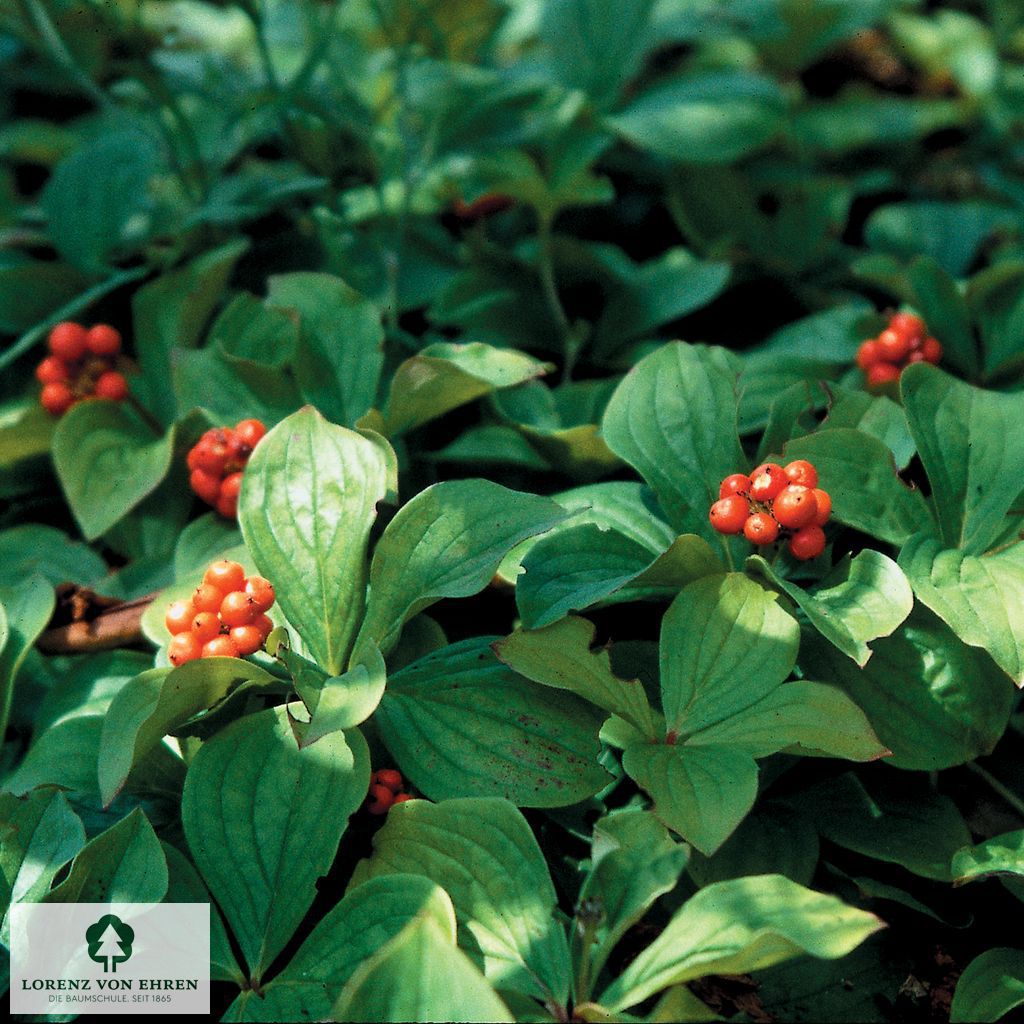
{"type": "Point", "coordinates": [517, 503]}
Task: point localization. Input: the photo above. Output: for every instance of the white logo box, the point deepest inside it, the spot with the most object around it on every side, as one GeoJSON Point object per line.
{"type": "Point", "coordinates": [131, 958]}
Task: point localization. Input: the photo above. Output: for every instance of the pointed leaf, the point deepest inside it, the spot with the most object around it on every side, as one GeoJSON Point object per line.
{"type": "Point", "coordinates": [990, 987]}
{"type": "Point", "coordinates": [25, 609]}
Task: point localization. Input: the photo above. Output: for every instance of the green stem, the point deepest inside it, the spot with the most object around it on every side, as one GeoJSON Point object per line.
{"type": "Point", "coordinates": [76, 305]}
{"type": "Point", "coordinates": [588, 916]}
{"type": "Point", "coordinates": [996, 786]}
{"type": "Point", "coordinates": [546, 269]}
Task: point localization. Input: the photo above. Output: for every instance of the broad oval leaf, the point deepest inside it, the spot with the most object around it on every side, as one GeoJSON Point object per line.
{"type": "Point", "coordinates": [308, 501]}
{"type": "Point", "coordinates": [990, 987]}
{"type": "Point", "coordinates": [460, 723]}
{"type": "Point", "coordinates": [263, 819]}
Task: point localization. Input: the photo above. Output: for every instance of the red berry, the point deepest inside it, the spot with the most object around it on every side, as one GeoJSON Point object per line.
{"type": "Point", "coordinates": [67, 340]}
{"type": "Point", "coordinates": [248, 639]}
{"type": "Point", "coordinates": [401, 798]}
{"type": "Point", "coordinates": [206, 485]}
{"type": "Point", "coordinates": [205, 626]}
{"type": "Point", "coordinates": [220, 647]}
{"type": "Point", "coordinates": [761, 529]}
{"type": "Point", "coordinates": [237, 609]}
{"type": "Point", "coordinates": [231, 485]}
{"type": "Point", "coordinates": [52, 370]}
{"type": "Point", "coordinates": [736, 483]}
{"type": "Point", "coordinates": [179, 617]}
{"type": "Point", "coordinates": [261, 591]}
{"type": "Point", "coordinates": [183, 647]}
{"type": "Point", "coordinates": [112, 386]}
{"type": "Point", "coordinates": [800, 471]}
{"type": "Point", "coordinates": [210, 452]}
{"type": "Point", "coordinates": [882, 373]}
{"type": "Point", "coordinates": [264, 624]}
{"type": "Point", "coordinates": [380, 799]}
{"type": "Point", "coordinates": [207, 598]}
{"type": "Point", "coordinates": [867, 354]}
{"type": "Point", "coordinates": [807, 543]}
{"type": "Point", "coordinates": [893, 347]}
{"type": "Point", "coordinates": [56, 398]}
{"type": "Point", "coordinates": [250, 432]}
{"type": "Point", "coordinates": [907, 326]}
{"type": "Point", "coordinates": [931, 350]}
{"type": "Point", "coordinates": [824, 502]}
{"type": "Point", "coordinates": [226, 506]}
{"type": "Point", "coordinates": [729, 514]}
{"type": "Point", "coordinates": [391, 778]}
{"type": "Point", "coordinates": [225, 575]}
{"type": "Point", "coordinates": [103, 340]}
{"type": "Point", "coordinates": [795, 507]}
{"type": "Point", "coordinates": [767, 480]}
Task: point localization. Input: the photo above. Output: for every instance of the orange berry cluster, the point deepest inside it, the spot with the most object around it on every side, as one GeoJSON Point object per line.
{"type": "Point", "coordinates": [775, 500]}
{"type": "Point", "coordinates": [385, 789]}
{"type": "Point", "coordinates": [82, 364]}
{"type": "Point", "coordinates": [217, 460]}
{"type": "Point", "coordinates": [225, 616]}
{"type": "Point", "coordinates": [904, 341]}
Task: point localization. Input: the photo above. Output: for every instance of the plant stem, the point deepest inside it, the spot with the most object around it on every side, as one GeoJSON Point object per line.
{"type": "Point", "coordinates": [998, 787]}
{"type": "Point", "coordinates": [546, 270]}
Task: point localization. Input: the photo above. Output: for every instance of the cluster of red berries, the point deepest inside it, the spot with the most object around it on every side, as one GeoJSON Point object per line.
{"type": "Point", "coordinates": [775, 500]}
{"type": "Point", "coordinates": [385, 789]}
{"type": "Point", "coordinates": [904, 341]}
{"type": "Point", "coordinates": [217, 460]}
{"type": "Point", "coordinates": [82, 364]}
{"type": "Point", "coordinates": [225, 616]}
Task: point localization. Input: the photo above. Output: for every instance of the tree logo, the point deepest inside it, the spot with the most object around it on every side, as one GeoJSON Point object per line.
{"type": "Point", "coordinates": [110, 942]}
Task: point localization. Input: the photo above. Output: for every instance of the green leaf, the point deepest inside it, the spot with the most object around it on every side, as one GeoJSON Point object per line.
{"type": "Point", "coordinates": [39, 835]}
{"type": "Point", "coordinates": [203, 541]}
{"type": "Point", "coordinates": [725, 644]}
{"type": "Point", "coordinates": [945, 311]}
{"type": "Point", "coordinates": [459, 723]}
{"type": "Point", "coordinates": [308, 502]}
{"type": "Point", "coordinates": [998, 856]}
{"type": "Point", "coordinates": [125, 864]}
{"type": "Point", "coordinates": [815, 718]}
{"type": "Point", "coordinates": [25, 609]}
{"type": "Point", "coordinates": [448, 541]}
{"type": "Point", "coordinates": [263, 819]}
{"type": "Point", "coordinates": [990, 987]}
{"type": "Point", "coordinates": [739, 926]}
{"type": "Point", "coordinates": [862, 599]}
{"type": "Point", "coordinates": [483, 854]}
{"type": "Point", "coordinates": [711, 118]}
{"type": "Point", "coordinates": [341, 702]}
{"type": "Point", "coordinates": [633, 862]}
{"type": "Point", "coordinates": [562, 656]}
{"type": "Point", "coordinates": [154, 704]}
{"type": "Point", "coordinates": [30, 549]}
{"type": "Point", "coordinates": [917, 828]}
{"type": "Point", "coordinates": [981, 599]}
{"type": "Point", "coordinates": [170, 312]}
{"type": "Point", "coordinates": [702, 793]}
{"type": "Point", "coordinates": [673, 418]}
{"type": "Point", "coordinates": [341, 344]}
{"type": "Point", "coordinates": [859, 473]}
{"type": "Point", "coordinates": [420, 974]}
{"type": "Point", "coordinates": [876, 415]}
{"type": "Point", "coordinates": [107, 461]}
{"type": "Point", "coordinates": [931, 700]}
{"type": "Point", "coordinates": [444, 376]}
{"type": "Point", "coordinates": [966, 440]}
{"type": "Point", "coordinates": [90, 216]}
{"type": "Point", "coordinates": [347, 936]}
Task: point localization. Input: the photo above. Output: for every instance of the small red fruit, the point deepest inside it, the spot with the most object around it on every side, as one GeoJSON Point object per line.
{"type": "Point", "coordinates": [729, 514]}
{"type": "Point", "coordinates": [795, 507]}
{"type": "Point", "coordinates": [237, 609]}
{"type": "Point", "coordinates": [907, 326]}
{"type": "Point", "coordinates": [261, 591]}
{"type": "Point", "coordinates": [402, 797]}
{"type": "Point", "coordinates": [225, 575]}
{"type": "Point", "coordinates": [824, 502]}
{"type": "Point", "coordinates": [264, 624]}
{"type": "Point", "coordinates": [248, 639]}
{"type": "Point", "coordinates": [183, 647]}
{"type": "Point", "coordinates": [250, 432]}
{"type": "Point", "coordinates": [56, 398]}
{"type": "Point", "coordinates": [103, 340]}
{"type": "Point", "coordinates": [207, 598]}
{"type": "Point", "coordinates": [882, 373]}
{"type": "Point", "coordinates": [867, 354]}
{"type": "Point", "coordinates": [380, 799]}
{"type": "Point", "coordinates": [205, 626]}
{"type": "Point", "coordinates": [206, 485]}
{"type": "Point", "coordinates": [766, 481]}
{"type": "Point", "coordinates": [179, 617]}
{"type": "Point", "coordinates": [807, 543]}
{"type": "Point", "coordinates": [761, 529]}
{"type": "Point", "coordinates": [893, 347]}
{"type": "Point", "coordinates": [800, 471]}
{"type": "Point", "coordinates": [931, 350]}
{"type": "Point", "coordinates": [112, 386]}
{"type": "Point", "coordinates": [735, 483]}
{"type": "Point", "coordinates": [52, 370]}
{"type": "Point", "coordinates": [231, 485]}
{"type": "Point", "coordinates": [391, 778]}
{"type": "Point", "coordinates": [67, 340]}
{"type": "Point", "coordinates": [220, 647]}
{"type": "Point", "coordinates": [226, 506]}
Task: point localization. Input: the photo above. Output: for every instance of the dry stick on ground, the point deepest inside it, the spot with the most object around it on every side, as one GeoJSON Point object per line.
{"type": "Point", "coordinates": [116, 625]}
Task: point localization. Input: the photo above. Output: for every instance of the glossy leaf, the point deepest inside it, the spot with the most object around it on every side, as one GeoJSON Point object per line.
{"type": "Point", "coordinates": [25, 609]}
{"type": "Point", "coordinates": [1001, 855]}
{"type": "Point", "coordinates": [991, 985]}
